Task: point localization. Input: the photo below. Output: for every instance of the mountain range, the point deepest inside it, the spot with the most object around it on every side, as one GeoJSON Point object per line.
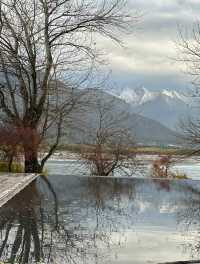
{"type": "Point", "coordinates": [164, 106]}
{"type": "Point", "coordinates": [146, 131]}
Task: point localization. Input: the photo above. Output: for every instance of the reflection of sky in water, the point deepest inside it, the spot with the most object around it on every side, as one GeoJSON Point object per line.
{"type": "Point", "coordinates": [122, 221]}
{"type": "Point", "coordinates": [151, 246]}
{"type": "Point", "coordinates": [145, 224]}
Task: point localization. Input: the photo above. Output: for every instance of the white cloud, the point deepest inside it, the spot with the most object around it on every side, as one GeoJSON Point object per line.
{"type": "Point", "coordinates": [143, 55]}
{"type": "Point", "coordinates": [151, 47]}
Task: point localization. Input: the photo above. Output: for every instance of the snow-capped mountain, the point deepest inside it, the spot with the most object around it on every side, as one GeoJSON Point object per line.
{"type": "Point", "coordinates": [142, 95]}
{"type": "Point", "coordinates": [145, 130]}
{"type": "Point", "coordinates": [165, 106]}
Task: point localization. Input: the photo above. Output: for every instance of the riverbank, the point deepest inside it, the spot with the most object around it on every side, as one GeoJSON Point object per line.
{"type": "Point", "coordinates": [153, 150]}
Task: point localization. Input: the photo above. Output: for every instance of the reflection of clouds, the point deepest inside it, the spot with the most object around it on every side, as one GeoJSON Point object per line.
{"type": "Point", "coordinates": [188, 218]}
{"type": "Point", "coordinates": [151, 246]}
{"type": "Point", "coordinates": [131, 220]}
{"type": "Point", "coordinates": [143, 206]}
{"type": "Point", "coordinates": [110, 220]}
{"type": "Point", "coordinates": [167, 208]}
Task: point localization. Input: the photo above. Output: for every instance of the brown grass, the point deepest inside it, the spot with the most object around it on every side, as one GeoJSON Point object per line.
{"type": "Point", "coordinates": [77, 148]}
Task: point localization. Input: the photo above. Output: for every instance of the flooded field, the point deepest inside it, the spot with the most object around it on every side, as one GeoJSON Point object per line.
{"type": "Point", "coordinates": [72, 219]}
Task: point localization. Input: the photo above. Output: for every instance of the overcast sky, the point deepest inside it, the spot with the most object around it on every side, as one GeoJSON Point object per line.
{"type": "Point", "coordinates": [146, 58]}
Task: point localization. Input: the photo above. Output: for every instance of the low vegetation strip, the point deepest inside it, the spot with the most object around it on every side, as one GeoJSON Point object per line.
{"type": "Point", "coordinates": [76, 148]}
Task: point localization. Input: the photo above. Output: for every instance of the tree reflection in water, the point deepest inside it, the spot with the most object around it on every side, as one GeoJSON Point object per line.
{"type": "Point", "coordinates": [187, 212]}
{"type": "Point", "coordinates": [92, 227]}
{"type": "Point", "coordinates": [23, 238]}
{"type": "Point", "coordinates": [111, 194]}
{"type": "Point", "coordinates": [32, 230]}
{"type": "Point", "coordinates": [111, 203]}
{"type": "Point", "coordinates": [188, 217]}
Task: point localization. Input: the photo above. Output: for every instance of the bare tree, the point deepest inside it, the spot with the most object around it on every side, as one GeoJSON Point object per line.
{"type": "Point", "coordinates": [110, 140]}
{"type": "Point", "coordinates": [188, 47]}
{"type": "Point", "coordinates": [40, 42]}
{"type": "Point", "coordinates": [189, 55]}
{"type": "Point", "coordinates": [162, 168]}
{"type": "Point", "coordinates": [190, 128]}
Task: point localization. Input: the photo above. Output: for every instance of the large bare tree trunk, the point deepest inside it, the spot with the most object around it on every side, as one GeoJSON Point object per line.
{"type": "Point", "coordinates": [31, 144]}
{"type": "Point", "coordinates": [31, 163]}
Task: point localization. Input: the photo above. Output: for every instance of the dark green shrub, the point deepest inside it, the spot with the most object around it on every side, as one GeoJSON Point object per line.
{"type": "Point", "coordinates": [15, 167]}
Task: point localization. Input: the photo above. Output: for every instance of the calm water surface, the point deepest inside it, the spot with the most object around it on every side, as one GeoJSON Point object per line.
{"type": "Point", "coordinates": [67, 167]}
{"type": "Point", "coordinates": [85, 220]}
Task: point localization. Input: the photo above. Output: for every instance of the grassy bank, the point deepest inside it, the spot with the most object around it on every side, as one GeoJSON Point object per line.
{"type": "Point", "coordinates": [148, 150]}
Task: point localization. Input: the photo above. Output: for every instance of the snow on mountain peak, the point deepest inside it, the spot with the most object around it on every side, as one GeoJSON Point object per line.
{"type": "Point", "coordinates": [129, 95]}
{"type": "Point", "coordinates": [168, 93]}
{"type": "Point", "coordinates": [142, 95]}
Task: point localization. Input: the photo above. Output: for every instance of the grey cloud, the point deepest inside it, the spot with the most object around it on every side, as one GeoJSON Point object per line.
{"type": "Point", "coordinates": [158, 25]}
{"type": "Point", "coordinates": [152, 82]}
{"type": "Point", "coordinates": [162, 17]}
